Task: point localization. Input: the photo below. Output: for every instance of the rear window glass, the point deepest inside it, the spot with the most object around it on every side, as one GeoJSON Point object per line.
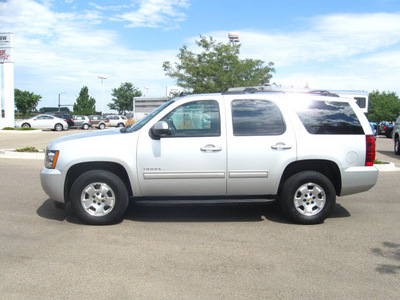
{"type": "Point", "coordinates": [329, 117]}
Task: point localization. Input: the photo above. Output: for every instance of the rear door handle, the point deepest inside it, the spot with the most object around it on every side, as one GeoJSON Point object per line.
{"type": "Point", "coordinates": [210, 148]}
{"type": "Point", "coordinates": [281, 146]}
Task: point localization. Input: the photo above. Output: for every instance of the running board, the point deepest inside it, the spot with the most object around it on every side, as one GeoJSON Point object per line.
{"type": "Point", "coordinates": [157, 202]}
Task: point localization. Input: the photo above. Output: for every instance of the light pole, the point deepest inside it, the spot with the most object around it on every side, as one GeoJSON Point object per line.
{"type": "Point", "coordinates": [102, 77]}
{"type": "Point", "coordinates": [59, 105]}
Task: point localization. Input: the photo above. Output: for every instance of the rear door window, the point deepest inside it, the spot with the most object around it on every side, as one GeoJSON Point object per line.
{"type": "Point", "coordinates": [256, 118]}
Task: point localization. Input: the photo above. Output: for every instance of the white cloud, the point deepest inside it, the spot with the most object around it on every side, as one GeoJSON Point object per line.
{"type": "Point", "coordinates": [339, 51]}
{"type": "Point", "coordinates": [156, 13]}
{"type": "Point", "coordinates": [61, 52]}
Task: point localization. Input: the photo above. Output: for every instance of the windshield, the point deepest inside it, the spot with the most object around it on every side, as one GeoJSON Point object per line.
{"type": "Point", "coordinates": [142, 122]}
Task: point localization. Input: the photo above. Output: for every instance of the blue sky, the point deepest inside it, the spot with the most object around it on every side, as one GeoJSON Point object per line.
{"type": "Point", "coordinates": [61, 46]}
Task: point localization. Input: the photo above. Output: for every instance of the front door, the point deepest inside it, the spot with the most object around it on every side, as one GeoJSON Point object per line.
{"type": "Point", "coordinates": [191, 160]}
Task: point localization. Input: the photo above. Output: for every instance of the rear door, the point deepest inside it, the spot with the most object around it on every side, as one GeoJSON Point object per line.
{"type": "Point", "coordinates": [261, 143]}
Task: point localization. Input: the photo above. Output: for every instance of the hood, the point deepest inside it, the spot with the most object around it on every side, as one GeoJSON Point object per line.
{"type": "Point", "coordinates": [86, 135]}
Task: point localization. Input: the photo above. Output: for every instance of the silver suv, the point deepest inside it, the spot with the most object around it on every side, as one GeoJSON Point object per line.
{"type": "Point", "coordinates": [396, 136]}
{"type": "Point", "coordinates": [299, 149]}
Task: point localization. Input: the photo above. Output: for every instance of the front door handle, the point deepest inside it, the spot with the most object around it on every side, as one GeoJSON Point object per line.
{"type": "Point", "coordinates": [281, 146]}
{"type": "Point", "coordinates": [210, 148]}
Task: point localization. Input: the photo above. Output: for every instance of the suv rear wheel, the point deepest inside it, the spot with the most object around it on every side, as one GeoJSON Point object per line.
{"type": "Point", "coordinates": [308, 197]}
{"type": "Point", "coordinates": [99, 197]}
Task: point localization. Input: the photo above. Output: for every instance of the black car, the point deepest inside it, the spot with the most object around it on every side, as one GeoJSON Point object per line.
{"type": "Point", "coordinates": [63, 115]}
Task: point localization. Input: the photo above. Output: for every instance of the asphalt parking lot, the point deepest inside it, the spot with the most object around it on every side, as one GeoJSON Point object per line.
{"type": "Point", "coordinates": [245, 252]}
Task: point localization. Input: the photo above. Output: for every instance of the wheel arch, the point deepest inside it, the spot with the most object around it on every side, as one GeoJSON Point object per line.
{"type": "Point", "coordinates": [326, 167]}
{"type": "Point", "coordinates": [75, 171]}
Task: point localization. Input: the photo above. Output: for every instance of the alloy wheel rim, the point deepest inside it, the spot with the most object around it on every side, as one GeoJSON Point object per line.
{"type": "Point", "coordinates": [309, 199]}
{"type": "Point", "coordinates": [98, 199]}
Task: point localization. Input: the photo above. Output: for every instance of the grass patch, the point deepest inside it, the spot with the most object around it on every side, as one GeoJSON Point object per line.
{"type": "Point", "coordinates": [378, 162]}
{"type": "Point", "coordinates": [21, 129]}
{"type": "Point", "coordinates": [27, 149]}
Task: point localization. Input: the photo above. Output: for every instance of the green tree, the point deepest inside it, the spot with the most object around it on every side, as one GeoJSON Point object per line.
{"type": "Point", "coordinates": [26, 101]}
{"type": "Point", "coordinates": [85, 104]}
{"type": "Point", "coordinates": [216, 68]}
{"type": "Point", "coordinates": [383, 106]}
{"type": "Point", "coordinates": [123, 97]}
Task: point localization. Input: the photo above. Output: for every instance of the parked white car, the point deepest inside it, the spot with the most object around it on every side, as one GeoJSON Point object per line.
{"type": "Point", "coordinates": [116, 120]}
{"type": "Point", "coordinates": [43, 122]}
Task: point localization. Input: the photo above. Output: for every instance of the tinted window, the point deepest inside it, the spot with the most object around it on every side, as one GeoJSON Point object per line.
{"type": "Point", "coordinates": [361, 101]}
{"type": "Point", "coordinates": [329, 117]}
{"type": "Point", "coordinates": [198, 118]}
{"type": "Point", "coordinates": [256, 117]}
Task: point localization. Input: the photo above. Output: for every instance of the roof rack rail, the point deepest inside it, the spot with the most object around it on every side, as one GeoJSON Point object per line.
{"type": "Point", "coordinates": [276, 89]}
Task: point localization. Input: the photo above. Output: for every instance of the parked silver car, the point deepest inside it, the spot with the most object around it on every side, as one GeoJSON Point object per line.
{"type": "Point", "coordinates": [82, 122]}
{"type": "Point", "coordinates": [43, 122]}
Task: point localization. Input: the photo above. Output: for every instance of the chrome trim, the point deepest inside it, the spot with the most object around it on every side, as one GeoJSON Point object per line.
{"type": "Point", "coordinates": [183, 175]}
{"type": "Point", "coordinates": [248, 174]}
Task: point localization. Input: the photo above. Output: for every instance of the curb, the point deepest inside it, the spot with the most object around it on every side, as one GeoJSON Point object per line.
{"type": "Point", "coordinates": [10, 153]}
{"type": "Point", "coordinates": [387, 167]}
{"type": "Point", "coordinates": [20, 131]}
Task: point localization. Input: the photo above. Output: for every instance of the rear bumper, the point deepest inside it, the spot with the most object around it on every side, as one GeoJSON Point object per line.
{"type": "Point", "coordinates": [358, 179]}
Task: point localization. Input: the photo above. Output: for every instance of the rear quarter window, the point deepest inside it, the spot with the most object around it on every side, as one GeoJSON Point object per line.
{"type": "Point", "coordinates": [329, 117]}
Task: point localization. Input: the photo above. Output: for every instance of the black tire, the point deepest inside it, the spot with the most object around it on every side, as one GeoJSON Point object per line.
{"type": "Point", "coordinates": [307, 197]}
{"type": "Point", "coordinates": [85, 126]}
{"type": "Point", "coordinates": [99, 197]}
{"type": "Point", "coordinates": [102, 126]}
{"type": "Point", "coordinates": [397, 145]}
{"type": "Point", "coordinates": [58, 127]}
{"type": "Point", "coordinates": [26, 125]}
{"type": "Point", "coordinates": [121, 125]}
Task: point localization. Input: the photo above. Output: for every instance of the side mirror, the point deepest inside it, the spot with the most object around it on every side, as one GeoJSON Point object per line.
{"type": "Point", "coordinates": [160, 129]}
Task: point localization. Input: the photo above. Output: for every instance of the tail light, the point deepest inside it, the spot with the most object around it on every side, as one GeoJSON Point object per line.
{"type": "Point", "coordinates": [370, 152]}
{"type": "Point", "coordinates": [384, 127]}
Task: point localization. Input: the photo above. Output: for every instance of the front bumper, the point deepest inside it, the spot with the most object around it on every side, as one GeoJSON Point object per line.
{"type": "Point", "coordinates": [52, 181]}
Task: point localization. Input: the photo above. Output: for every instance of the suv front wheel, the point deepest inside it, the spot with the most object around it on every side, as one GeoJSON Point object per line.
{"type": "Point", "coordinates": [308, 197]}
{"type": "Point", "coordinates": [99, 197]}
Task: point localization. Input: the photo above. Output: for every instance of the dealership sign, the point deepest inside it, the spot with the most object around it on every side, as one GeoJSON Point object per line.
{"type": "Point", "coordinates": [6, 48]}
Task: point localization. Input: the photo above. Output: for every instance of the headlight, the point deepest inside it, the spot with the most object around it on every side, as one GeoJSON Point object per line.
{"type": "Point", "coordinates": [50, 160]}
